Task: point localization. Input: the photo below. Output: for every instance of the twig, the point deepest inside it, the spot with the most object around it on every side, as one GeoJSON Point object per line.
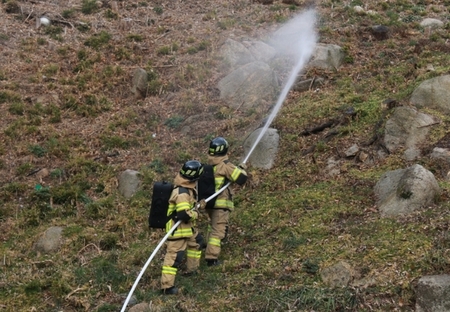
{"type": "Point", "coordinates": [28, 15]}
{"type": "Point", "coordinates": [64, 21]}
{"type": "Point", "coordinates": [91, 244]}
{"type": "Point", "coordinates": [434, 123]}
{"type": "Point", "coordinates": [238, 107]}
{"type": "Point", "coordinates": [312, 83]}
{"type": "Point", "coordinates": [164, 66]}
{"type": "Point", "coordinates": [76, 290]}
{"type": "Point", "coordinates": [34, 172]}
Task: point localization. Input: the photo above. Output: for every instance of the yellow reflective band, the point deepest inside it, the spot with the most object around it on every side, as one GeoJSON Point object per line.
{"type": "Point", "coordinates": [169, 270]}
{"type": "Point", "coordinates": [218, 181]}
{"type": "Point", "coordinates": [196, 254]}
{"type": "Point", "coordinates": [235, 174]}
{"type": "Point", "coordinates": [169, 225]}
{"type": "Point", "coordinates": [183, 206]}
{"type": "Point", "coordinates": [224, 203]}
{"type": "Point", "coordinates": [182, 233]}
{"type": "Point", "coordinates": [214, 241]}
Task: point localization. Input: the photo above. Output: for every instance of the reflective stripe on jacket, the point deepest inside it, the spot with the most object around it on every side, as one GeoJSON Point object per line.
{"type": "Point", "coordinates": [182, 199]}
{"type": "Point", "coordinates": [224, 172]}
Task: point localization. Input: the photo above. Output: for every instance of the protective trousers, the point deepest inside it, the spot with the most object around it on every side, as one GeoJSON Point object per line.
{"type": "Point", "coordinates": [217, 231]}
{"type": "Point", "coordinates": [174, 256]}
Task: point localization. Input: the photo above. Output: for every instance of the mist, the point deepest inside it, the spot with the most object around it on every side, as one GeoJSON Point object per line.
{"type": "Point", "coordinates": [296, 40]}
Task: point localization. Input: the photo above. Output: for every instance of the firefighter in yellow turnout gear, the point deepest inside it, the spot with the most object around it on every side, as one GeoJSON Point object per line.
{"type": "Point", "coordinates": [185, 237]}
{"type": "Point", "coordinates": [224, 172]}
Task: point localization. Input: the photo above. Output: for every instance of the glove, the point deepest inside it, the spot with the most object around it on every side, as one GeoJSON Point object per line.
{"type": "Point", "coordinates": [201, 204]}
{"type": "Point", "coordinates": [242, 166]}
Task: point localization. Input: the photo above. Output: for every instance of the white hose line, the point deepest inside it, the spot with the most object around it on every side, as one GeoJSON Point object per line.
{"type": "Point", "coordinates": [147, 264]}
{"type": "Point", "coordinates": [218, 192]}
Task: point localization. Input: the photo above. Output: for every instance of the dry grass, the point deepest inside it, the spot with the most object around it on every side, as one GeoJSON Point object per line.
{"type": "Point", "coordinates": [67, 111]}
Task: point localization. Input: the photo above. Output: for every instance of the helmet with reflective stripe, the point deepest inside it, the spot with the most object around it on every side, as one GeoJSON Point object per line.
{"type": "Point", "coordinates": [218, 147]}
{"type": "Point", "coordinates": [192, 170]}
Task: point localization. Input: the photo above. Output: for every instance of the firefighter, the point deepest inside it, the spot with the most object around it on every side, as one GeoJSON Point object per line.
{"type": "Point", "coordinates": [224, 172]}
{"type": "Point", "coordinates": [185, 238]}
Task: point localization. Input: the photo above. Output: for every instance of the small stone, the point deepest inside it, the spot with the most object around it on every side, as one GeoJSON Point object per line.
{"type": "Point", "coordinates": [358, 9]}
{"type": "Point", "coordinates": [380, 32]}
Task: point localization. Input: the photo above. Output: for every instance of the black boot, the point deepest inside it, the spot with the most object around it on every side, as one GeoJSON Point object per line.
{"type": "Point", "coordinates": [212, 262]}
{"type": "Point", "coordinates": [170, 291]}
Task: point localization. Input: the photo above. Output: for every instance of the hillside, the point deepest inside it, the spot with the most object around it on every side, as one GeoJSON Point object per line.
{"type": "Point", "coordinates": [70, 125]}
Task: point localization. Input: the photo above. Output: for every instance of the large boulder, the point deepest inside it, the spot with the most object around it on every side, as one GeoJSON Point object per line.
{"type": "Point", "coordinates": [433, 293]}
{"type": "Point", "coordinates": [263, 155]}
{"type": "Point", "coordinates": [129, 182]}
{"type": "Point", "coordinates": [327, 56]}
{"type": "Point", "coordinates": [248, 85]}
{"type": "Point", "coordinates": [261, 51]}
{"type": "Point", "coordinates": [235, 54]}
{"type": "Point", "coordinates": [403, 191]}
{"type": "Point", "coordinates": [433, 93]}
{"type": "Point", "coordinates": [407, 128]}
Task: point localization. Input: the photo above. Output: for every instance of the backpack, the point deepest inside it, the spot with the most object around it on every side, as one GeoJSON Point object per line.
{"type": "Point", "coordinates": [207, 186]}
{"type": "Point", "coordinates": [157, 217]}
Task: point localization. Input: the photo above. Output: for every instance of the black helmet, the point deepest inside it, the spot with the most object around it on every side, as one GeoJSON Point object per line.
{"type": "Point", "coordinates": [192, 170]}
{"type": "Point", "coordinates": [218, 147]}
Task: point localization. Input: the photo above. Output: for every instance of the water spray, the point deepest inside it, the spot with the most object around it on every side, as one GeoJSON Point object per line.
{"type": "Point", "coordinates": [297, 39]}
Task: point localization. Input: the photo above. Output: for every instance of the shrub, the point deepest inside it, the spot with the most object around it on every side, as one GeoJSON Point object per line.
{"type": "Point", "coordinates": [37, 150]}
{"type": "Point", "coordinates": [98, 40]}
{"type": "Point", "coordinates": [158, 10]}
{"type": "Point", "coordinates": [89, 6]}
{"type": "Point", "coordinates": [174, 122]}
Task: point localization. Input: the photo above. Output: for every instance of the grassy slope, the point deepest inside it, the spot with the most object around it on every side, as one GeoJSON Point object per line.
{"type": "Point", "coordinates": [290, 222]}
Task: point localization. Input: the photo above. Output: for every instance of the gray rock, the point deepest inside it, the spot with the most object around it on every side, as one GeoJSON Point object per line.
{"type": "Point", "coordinates": [338, 275]}
{"type": "Point", "coordinates": [263, 155]}
{"type": "Point", "coordinates": [261, 51]}
{"type": "Point", "coordinates": [144, 307]}
{"type": "Point", "coordinates": [432, 23]}
{"type": "Point", "coordinates": [327, 56]}
{"type": "Point", "coordinates": [50, 241]}
{"type": "Point", "coordinates": [352, 151]}
{"type": "Point", "coordinates": [403, 191]}
{"type": "Point", "coordinates": [440, 153]}
{"type": "Point", "coordinates": [380, 32]}
{"type": "Point", "coordinates": [197, 125]}
{"type": "Point", "coordinates": [235, 54]}
{"type": "Point", "coordinates": [140, 82]}
{"type": "Point", "coordinates": [129, 182]}
{"type": "Point", "coordinates": [246, 86]}
{"type": "Point", "coordinates": [407, 128]}
{"type": "Point", "coordinates": [333, 167]}
{"type": "Point", "coordinates": [358, 9]}
{"type": "Point", "coordinates": [433, 293]}
{"type": "Point", "coordinates": [433, 93]}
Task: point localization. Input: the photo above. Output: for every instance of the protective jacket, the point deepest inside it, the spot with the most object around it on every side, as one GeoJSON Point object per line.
{"type": "Point", "coordinates": [224, 172]}
{"type": "Point", "coordinates": [181, 204]}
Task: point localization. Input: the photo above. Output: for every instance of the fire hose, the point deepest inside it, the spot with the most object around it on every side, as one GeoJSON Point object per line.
{"type": "Point", "coordinates": [178, 223]}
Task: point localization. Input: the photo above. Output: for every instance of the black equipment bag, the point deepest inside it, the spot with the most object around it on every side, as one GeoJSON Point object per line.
{"type": "Point", "coordinates": [207, 186]}
{"type": "Point", "coordinates": [160, 203]}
